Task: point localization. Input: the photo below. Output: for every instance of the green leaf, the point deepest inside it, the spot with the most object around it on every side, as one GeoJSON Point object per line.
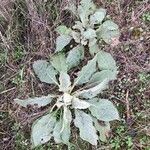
{"type": "Point", "coordinates": [98, 16]}
{"type": "Point", "coordinates": [76, 36]}
{"type": "Point", "coordinates": [80, 104]}
{"type": "Point", "coordinates": [65, 82]}
{"type": "Point", "coordinates": [103, 130]}
{"type": "Point", "coordinates": [84, 122]}
{"type": "Point", "coordinates": [106, 61]}
{"type": "Point", "coordinates": [108, 31]}
{"type": "Point", "coordinates": [102, 75]}
{"type": "Point", "coordinates": [87, 71]}
{"type": "Point", "coordinates": [103, 110]}
{"type": "Point", "coordinates": [62, 41]}
{"type": "Point", "coordinates": [36, 101]}
{"type": "Point", "coordinates": [94, 91]}
{"type": "Point", "coordinates": [63, 30]}
{"type": "Point", "coordinates": [58, 61]}
{"type": "Point", "coordinates": [89, 34]}
{"type": "Point", "coordinates": [93, 49]}
{"type": "Point", "coordinates": [75, 56]}
{"type": "Point", "coordinates": [42, 130]}
{"type": "Point", "coordinates": [45, 71]}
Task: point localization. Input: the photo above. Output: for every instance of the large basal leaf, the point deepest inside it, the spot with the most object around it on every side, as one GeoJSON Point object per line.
{"type": "Point", "coordinates": [98, 16]}
{"type": "Point", "coordinates": [63, 30]}
{"type": "Point", "coordinates": [62, 129]}
{"type": "Point", "coordinates": [42, 130]}
{"type": "Point", "coordinates": [108, 31]}
{"type": "Point", "coordinates": [94, 91]}
{"type": "Point", "coordinates": [45, 71]}
{"type": "Point", "coordinates": [62, 41]}
{"type": "Point", "coordinates": [80, 104]}
{"type": "Point", "coordinates": [59, 62]}
{"type": "Point", "coordinates": [87, 71]}
{"type": "Point", "coordinates": [65, 83]}
{"type": "Point", "coordinates": [102, 75]}
{"type": "Point", "coordinates": [84, 122]}
{"type": "Point", "coordinates": [103, 129]}
{"type": "Point", "coordinates": [36, 101]}
{"type": "Point", "coordinates": [103, 110]}
{"type": "Point", "coordinates": [106, 61]}
{"type": "Point", "coordinates": [75, 56]}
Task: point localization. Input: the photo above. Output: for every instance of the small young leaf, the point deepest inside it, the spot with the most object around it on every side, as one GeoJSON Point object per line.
{"type": "Point", "coordinates": [63, 30]}
{"type": "Point", "coordinates": [76, 36]}
{"type": "Point", "coordinates": [36, 101]}
{"type": "Point", "coordinates": [102, 75]}
{"type": "Point", "coordinates": [65, 82]}
{"type": "Point", "coordinates": [98, 16]}
{"type": "Point", "coordinates": [67, 98]}
{"type": "Point", "coordinates": [80, 104]}
{"type": "Point", "coordinates": [89, 34]}
{"type": "Point", "coordinates": [62, 41]}
{"type": "Point", "coordinates": [58, 61]}
{"type": "Point", "coordinates": [103, 130]}
{"type": "Point", "coordinates": [103, 110]}
{"type": "Point", "coordinates": [106, 61]}
{"type": "Point", "coordinates": [93, 92]}
{"type": "Point", "coordinates": [93, 49]}
{"type": "Point", "coordinates": [75, 56]}
{"type": "Point", "coordinates": [42, 130]}
{"type": "Point", "coordinates": [87, 71]}
{"type": "Point", "coordinates": [45, 71]}
{"type": "Point", "coordinates": [84, 122]}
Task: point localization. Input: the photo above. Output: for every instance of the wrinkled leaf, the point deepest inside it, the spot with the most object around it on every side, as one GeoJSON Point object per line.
{"type": "Point", "coordinates": [94, 91]}
{"type": "Point", "coordinates": [62, 41]}
{"type": "Point", "coordinates": [45, 71]}
{"type": "Point", "coordinates": [103, 129]}
{"type": "Point", "coordinates": [75, 56]}
{"type": "Point", "coordinates": [102, 75]}
{"type": "Point", "coordinates": [104, 110]}
{"type": "Point", "coordinates": [87, 71]}
{"type": "Point", "coordinates": [59, 62]}
{"type": "Point", "coordinates": [65, 83]}
{"type": "Point", "coordinates": [80, 104]}
{"type": "Point", "coordinates": [89, 34]}
{"type": "Point", "coordinates": [36, 101]}
{"type": "Point", "coordinates": [98, 16]}
{"type": "Point", "coordinates": [106, 61]}
{"type": "Point", "coordinates": [63, 30]}
{"type": "Point", "coordinates": [84, 122]}
{"type": "Point", "coordinates": [42, 130]}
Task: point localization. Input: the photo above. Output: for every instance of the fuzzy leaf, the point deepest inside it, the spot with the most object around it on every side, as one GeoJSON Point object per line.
{"type": "Point", "coordinates": [93, 92]}
{"type": "Point", "coordinates": [98, 16]}
{"type": "Point", "coordinates": [65, 82]}
{"type": "Point", "coordinates": [103, 130]}
{"type": "Point", "coordinates": [80, 104]}
{"type": "Point", "coordinates": [76, 36]}
{"type": "Point", "coordinates": [42, 130]}
{"type": "Point", "coordinates": [36, 101]}
{"type": "Point", "coordinates": [84, 122]}
{"type": "Point", "coordinates": [67, 98]}
{"type": "Point", "coordinates": [108, 31]}
{"type": "Point", "coordinates": [63, 30]}
{"type": "Point", "coordinates": [93, 49]}
{"type": "Point", "coordinates": [102, 75]}
{"type": "Point", "coordinates": [75, 56]}
{"type": "Point", "coordinates": [89, 34]}
{"type": "Point", "coordinates": [62, 41]}
{"type": "Point", "coordinates": [103, 110]}
{"type": "Point", "coordinates": [45, 71]}
{"type": "Point", "coordinates": [59, 62]}
{"type": "Point", "coordinates": [87, 71]}
{"type": "Point", "coordinates": [106, 61]}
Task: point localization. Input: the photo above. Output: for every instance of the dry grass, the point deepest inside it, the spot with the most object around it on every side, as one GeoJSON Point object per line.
{"type": "Point", "coordinates": [27, 33]}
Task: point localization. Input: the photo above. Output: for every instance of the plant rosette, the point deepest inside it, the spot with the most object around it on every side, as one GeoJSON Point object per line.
{"type": "Point", "coordinates": [90, 29]}
{"type": "Point", "coordinates": [82, 107]}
